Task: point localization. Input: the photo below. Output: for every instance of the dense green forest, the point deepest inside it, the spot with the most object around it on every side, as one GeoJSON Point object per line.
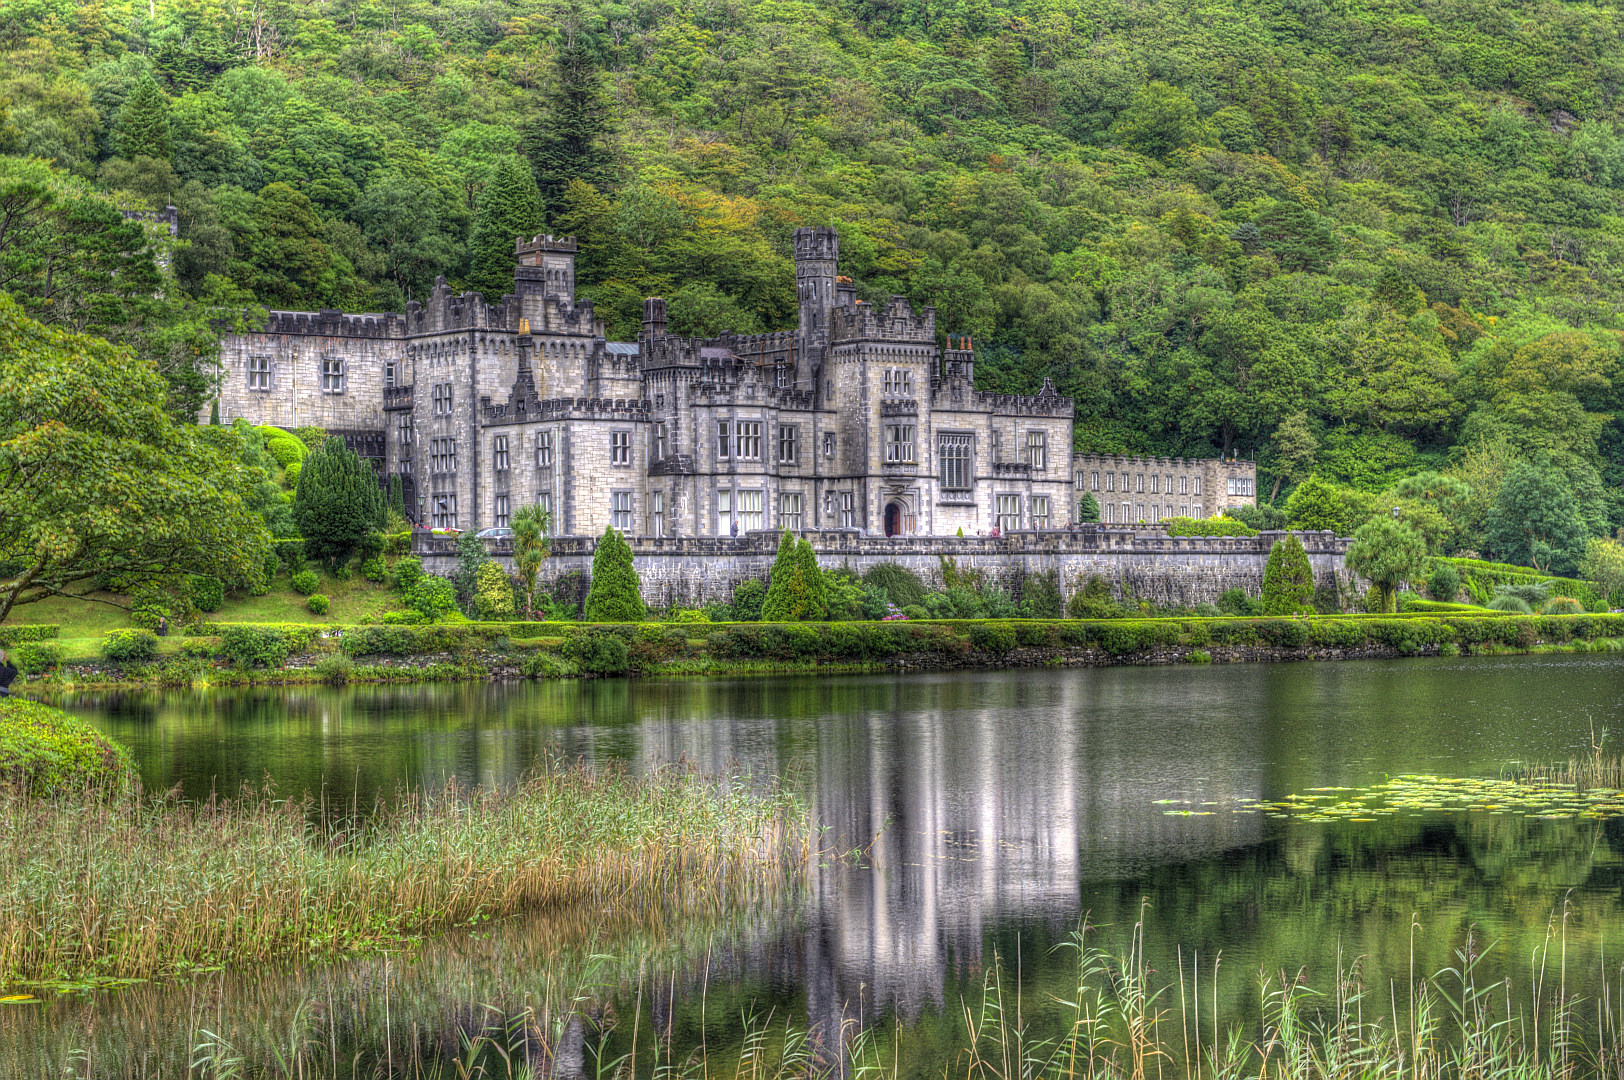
{"type": "Point", "coordinates": [1361, 240]}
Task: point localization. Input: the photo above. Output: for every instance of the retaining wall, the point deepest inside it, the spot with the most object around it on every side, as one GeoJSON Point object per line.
{"type": "Point", "coordinates": [1143, 563]}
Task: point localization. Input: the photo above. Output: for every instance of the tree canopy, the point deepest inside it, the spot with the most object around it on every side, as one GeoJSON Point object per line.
{"type": "Point", "coordinates": [98, 482]}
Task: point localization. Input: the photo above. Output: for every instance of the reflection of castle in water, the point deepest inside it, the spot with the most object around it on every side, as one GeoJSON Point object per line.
{"type": "Point", "coordinates": [969, 816]}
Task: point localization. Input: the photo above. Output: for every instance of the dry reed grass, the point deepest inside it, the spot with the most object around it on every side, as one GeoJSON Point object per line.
{"type": "Point", "coordinates": [136, 887]}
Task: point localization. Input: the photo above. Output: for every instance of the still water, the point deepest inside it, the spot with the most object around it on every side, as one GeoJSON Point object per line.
{"type": "Point", "coordinates": [987, 815]}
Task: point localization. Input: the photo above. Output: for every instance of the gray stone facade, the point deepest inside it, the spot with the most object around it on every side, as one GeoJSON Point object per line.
{"type": "Point", "coordinates": [1146, 490]}
{"type": "Point", "coordinates": [858, 419]}
{"type": "Point", "coordinates": [1142, 563]}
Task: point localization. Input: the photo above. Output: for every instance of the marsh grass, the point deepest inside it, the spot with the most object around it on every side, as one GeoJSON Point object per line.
{"type": "Point", "coordinates": [142, 887]}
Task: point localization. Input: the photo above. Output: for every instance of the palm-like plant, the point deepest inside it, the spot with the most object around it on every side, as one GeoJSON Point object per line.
{"type": "Point", "coordinates": [532, 542]}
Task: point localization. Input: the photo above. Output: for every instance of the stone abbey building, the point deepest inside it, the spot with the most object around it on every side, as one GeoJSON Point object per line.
{"type": "Point", "coordinates": [855, 420]}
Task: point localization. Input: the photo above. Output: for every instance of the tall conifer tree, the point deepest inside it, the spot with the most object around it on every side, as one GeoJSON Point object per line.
{"type": "Point", "coordinates": [509, 207]}
{"type": "Point", "coordinates": [567, 140]}
{"type": "Point", "coordinates": [337, 502]}
{"type": "Point", "coordinates": [143, 122]}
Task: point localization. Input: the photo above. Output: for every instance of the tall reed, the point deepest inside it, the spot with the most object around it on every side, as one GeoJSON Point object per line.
{"type": "Point", "coordinates": [135, 887]}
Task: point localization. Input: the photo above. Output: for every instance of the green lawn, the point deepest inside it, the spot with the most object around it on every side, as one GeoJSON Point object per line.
{"type": "Point", "coordinates": [84, 621]}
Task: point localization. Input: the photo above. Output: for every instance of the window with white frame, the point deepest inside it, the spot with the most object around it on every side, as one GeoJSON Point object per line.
{"type": "Point", "coordinates": [789, 444]}
{"type": "Point", "coordinates": [954, 452]}
{"type": "Point", "coordinates": [1141, 516]}
{"type": "Point", "coordinates": [899, 443]}
{"type": "Point", "coordinates": [1167, 511]}
{"type": "Point", "coordinates": [724, 510]}
{"type": "Point", "coordinates": [789, 511]}
{"type": "Point", "coordinates": [1127, 514]}
{"type": "Point", "coordinates": [899, 381]}
{"type": "Point", "coordinates": [1195, 510]}
{"type": "Point", "coordinates": [1184, 509]}
{"type": "Point", "coordinates": [1197, 489]}
{"type": "Point", "coordinates": [442, 455]}
{"type": "Point", "coordinates": [499, 453]}
{"type": "Point", "coordinates": [389, 373]}
{"type": "Point", "coordinates": [544, 449]}
{"type": "Point", "coordinates": [332, 374]}
{"type": "Point", "coordinates": [1007, 513]}
{"type": "Point", "coordinates": [1184, 485]}
{"type": "Point", "coordinates": [1167, 483]}
{"type": "Point", "coordinates": [848, 509]}
{"type": "Point", "coordinates": [620, 448]}
{"type": "Point", "coordinates": [445, 511]}
{"type": "Point", "coordinates": [259, 373]}
{"type": "Point", "coordinates": [620, 507]}
{"type": "Point", "coordinates": [1155, 484]}
{"type": "Point", "coordinates": [1110, 481]}
{"type": "Point", "coordinates": [784, 375]}
{"type": "Point", "coordinates": [1110, 513]}
{"type": "Point", "coordinates": [501, 511]}
{"type": "Point", "coordinates": [1141, 479]}
{"type": "Point", "coordinates": [545, 501]}
{"type": "Point", "coordinates": [657, 450]}
{"type": "Point", "coordinates": [656, 513]}
{"type": "Point", "coordinates": [403, 429]}
{"type": "Point", "coordinates": [724, 445]}
{"type": "Point", "coordinates": [440, 395]}
{"type": "Point", "coordinates": [747, 440]}
{"type": "Point", "coordinates": [828, 444]}
{"type": "Point", "coordinates": [1037, 450]}
{"type": "Point", "coordinates": [1127, 484]}
{"type": "Point", "coordinates": [1040, 511]}
{"type": "Point", "coordinates": [750, 516]}
{"type": "Point", "coordinates": [995, 443]}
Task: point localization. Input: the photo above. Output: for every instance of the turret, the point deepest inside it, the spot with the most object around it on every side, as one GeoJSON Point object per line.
{"type": "Point", "coordinates": [817, 256]}
{"type": "Point", "coordinates": [546, 266]}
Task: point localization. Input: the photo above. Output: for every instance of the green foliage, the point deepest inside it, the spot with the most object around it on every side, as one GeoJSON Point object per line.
{"type": "Point", "coordinates": [305, 582]}
{"type": "Point", "coordinates": [1443, 582]}
{"type": "Point", "coordinates": [1094, 600]}
{"type": "Point", "coordinates": [598, 653]}
{"type": "Point", "coordinates": [17, 633]}
{"type": "Point", "coordinates": [509, 209]}
{"type": "Point", "coordinates": [567, 141]}
{"type": "Point", "coordinates": [143, 122]}
{"type": "Point", "coordinates": [1514, 604]}
{"type": "Point", "coordinates": [46, 752]}
{"type": "Point", "coordinates": [338, 503]}
{"type": "Point", "coordinates": [471, 557]}
{"type": "Point", "coordinates": [98, 481]}
{"type": "Point", "coordinates": [1235, 602]}
{"type": "Point", "coordinates": [206, 592]}
{"type": "Point", "coordinates": [615, 594]}
{"type": "Point", "coordinates": [748, 598]}
{"type": "Point", "coordinates": [1389, 553]}
{"type": "Point", "coordinates": [1040, 596]}
{"type": "Point", "coordinates": [431, 597]}
{"type": "Point", "coordinates": [263, 645]}
{"type": "Point", "coordinates": [796, 591]}
{"type": "Point", "coordinates": [1561, 605]}
{"type": "Point", "coordinates": [1288, 579]}
{"type": "Point", "coordinates": [902, 586]}
{"type": "Point", "coordinates": [129, 646]}
{"type": "Point", "coordinates": [1213, 526]}
{"type": "Point", "coordinates": [1536, 520]}
{"type": "Point", "coordinates": [36, 657]}
{"type": "Point", "coordinates": [1604, 564]}
{"type": "Point", "coordinates": [532, 540]}
{"type": "Point", "coordinates": [317, 604]}
{"type": "Point", "coordinates": [373, 568]}
{"type": "Point", "coordinates": [1088, 508]}
{"type": "Point", "coordinates": [494, 592]}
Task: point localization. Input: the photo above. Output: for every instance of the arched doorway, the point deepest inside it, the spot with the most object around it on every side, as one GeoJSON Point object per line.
{"type": "Point", "coordinates": [893, 519]}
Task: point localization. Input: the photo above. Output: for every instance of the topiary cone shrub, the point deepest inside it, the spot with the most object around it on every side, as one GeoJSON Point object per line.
{"type": "Point", "coordinates": [615, 594]}
{"type": "Point", "coordinates": [1288, 579]}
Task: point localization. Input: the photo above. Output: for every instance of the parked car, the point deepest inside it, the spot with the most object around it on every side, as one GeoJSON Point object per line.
{"type": "Point", "coordinates": [494, 534]}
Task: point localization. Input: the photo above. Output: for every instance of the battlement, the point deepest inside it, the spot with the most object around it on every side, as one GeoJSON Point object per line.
{"type": "Point", "coordinates": [620, 409]}
{"type": "Point", "coordinates": [329, 323]}
{"type": "Point", "coordinates": [529, 252]}
{"type": "Point", "coordinates": [896, 322]}
{"type": "Point", "coordinates": [1146, 461]}
{"type": "Point", "coordinates": [1046, 402]}
{"type": "Point", "coordinates": [822, 242]}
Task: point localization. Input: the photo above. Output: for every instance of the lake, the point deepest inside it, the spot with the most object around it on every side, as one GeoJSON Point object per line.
{"type": "Point", "coordinates": [967, 819]}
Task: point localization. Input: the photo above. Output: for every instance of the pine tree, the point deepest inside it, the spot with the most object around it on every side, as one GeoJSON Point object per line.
{"type": "Point", "coordinates": [566, 142]}
{"type": "Point", "coordinates": [1088, 508]}
{"type": "Point", "coordinates": [143, 122]}
{"type": "Point", "coordinates": [397, 496]}
{"type": "Point", "coordinates": [509, 208]}
{"type": "Point", "coordinates": [779, 605]}
{"type": "Point", "coordinates": [1288, 579]}
{"type": "Point", "coordinates": [615, 594]}
{"type": "Point", "coordinates": [337, 502]}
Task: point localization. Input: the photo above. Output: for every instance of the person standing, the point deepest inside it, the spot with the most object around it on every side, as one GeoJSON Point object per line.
{"type": "Point", "coordinates": [8, 674]}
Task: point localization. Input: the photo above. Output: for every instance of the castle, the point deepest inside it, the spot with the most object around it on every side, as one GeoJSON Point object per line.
{"type": "Point", "coordinates": [858, 419]}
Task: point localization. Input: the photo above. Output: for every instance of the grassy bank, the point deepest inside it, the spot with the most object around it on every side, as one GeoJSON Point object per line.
{"type": "Point", "coordinates": [224, 654]}
{"type": "Point", "coordinates": [137, 887]}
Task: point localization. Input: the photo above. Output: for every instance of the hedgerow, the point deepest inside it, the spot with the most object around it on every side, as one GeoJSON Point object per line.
{"type": "Point", "coordinates": [16, 635]}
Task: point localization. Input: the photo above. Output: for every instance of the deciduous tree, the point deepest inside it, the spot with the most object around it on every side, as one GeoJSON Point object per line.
{"type": "Point", "coordinates": [1388, 554]}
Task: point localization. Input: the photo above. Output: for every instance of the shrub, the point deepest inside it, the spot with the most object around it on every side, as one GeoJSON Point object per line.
{"type": "Point", "coordinates": [1213, 526]}
{"type": "Point", "coordinates": [306, 582]}
{"type": "Point", "coordinates": [1094, 601]}
{"type": "Point", "coordinates": [493, 594]}
{"type": "Point", "coordinates": [598, 653]}
{"type": "Point", "coordinates": [432, 597]}
{"type": "Point", "coordinates": [916, 611]}
{"type": "Point", "coordinates": [1040, 596]}
{"type": "Point", "coordinates": [1288, 579]}
{"type": "Point", "coordinates": [292, 554]}
{"type": "Point", "coordinates": [290, 477]}
{"type": "Point", "coordinates": [318, 604]}
{"type": "Point", "coordinates": [207, 592]}
{"type": "Point", "coordinates": [686, 615]}
{"type": "Point", "coordinates": [16, 635]}
{"type": "Point", "coordinates": [615, 594]}
{"type": "Point", "coordinates": [151, 604]}
{"type": "Point", "coordinates": [1507, 602]}
{"type": "Point", "coordinates": [546, 665]}
{"type": "Point", "coordinates": [748, 596]}
{"type": "Point", "coordinates": [374, 568]}
{"type": "Point", "coordinates": [1235, 601]}
{"type": "Point", "coordinates": [1198, 656]}
{"type": "Point", "coordinates": [338, 503]}
{"type": "Point", "coordinates": [902, 586]}
{"type": "Point", "coordinates": [796, 591]}
{"type": "Point", "coordinates": [408, 569]}
{"type": "Point", "coordinates": [249, 645]}
{"type": "Point", "coordinates": [36, 657]}
{"type": "Point", "coordinates": [1443, 583]}
{"type": "Point", "coordinates": [129, 646]}
{"type": "Point", "coordinates": [996, 638]}
{"type": "Point", "coordinates": [397, 543]}
{"type": "Point", "coordinates": [45, 751]}
{"type": "Point", "coordinates": [1561, 605]}
{"type": "Point", "coordinates": [335, 670]}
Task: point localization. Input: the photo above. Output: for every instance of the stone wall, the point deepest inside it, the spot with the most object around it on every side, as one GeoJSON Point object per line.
{"type": "Point", "coordinates": [1143, 563]}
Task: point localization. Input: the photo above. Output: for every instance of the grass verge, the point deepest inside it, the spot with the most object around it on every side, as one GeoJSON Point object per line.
{"type": "Point", "coordinates": [134, 887]}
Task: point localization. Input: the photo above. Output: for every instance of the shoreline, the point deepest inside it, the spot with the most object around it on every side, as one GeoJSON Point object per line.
{"type": "Point", "coordinates": [483, 652]}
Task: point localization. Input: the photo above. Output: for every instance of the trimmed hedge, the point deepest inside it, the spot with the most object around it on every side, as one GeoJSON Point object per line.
{"type": "Point", "coordinates": [1480, 578]}
{"type": "Point", "coordinates": [44, 751]}
{"type": "Point", "coordinates": [16, 635]}
{"type": "Point", "coordinates": [1213, 526]}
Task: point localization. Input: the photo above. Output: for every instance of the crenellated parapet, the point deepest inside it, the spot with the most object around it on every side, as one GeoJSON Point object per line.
{"type": "Point", "coordinates": [520, 410]}
{"type": "Point", "coordinates": [1047, 402]}
{"type": "Point", "coordinates": [329, 323]}
{"type": "Point", "coordinates": [897, 321]}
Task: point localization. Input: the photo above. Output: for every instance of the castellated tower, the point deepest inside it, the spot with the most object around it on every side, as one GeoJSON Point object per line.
{"type": "Point", "coordinates": [817, 256]}
{"type": "Point", "coordinates": [546, 266]}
